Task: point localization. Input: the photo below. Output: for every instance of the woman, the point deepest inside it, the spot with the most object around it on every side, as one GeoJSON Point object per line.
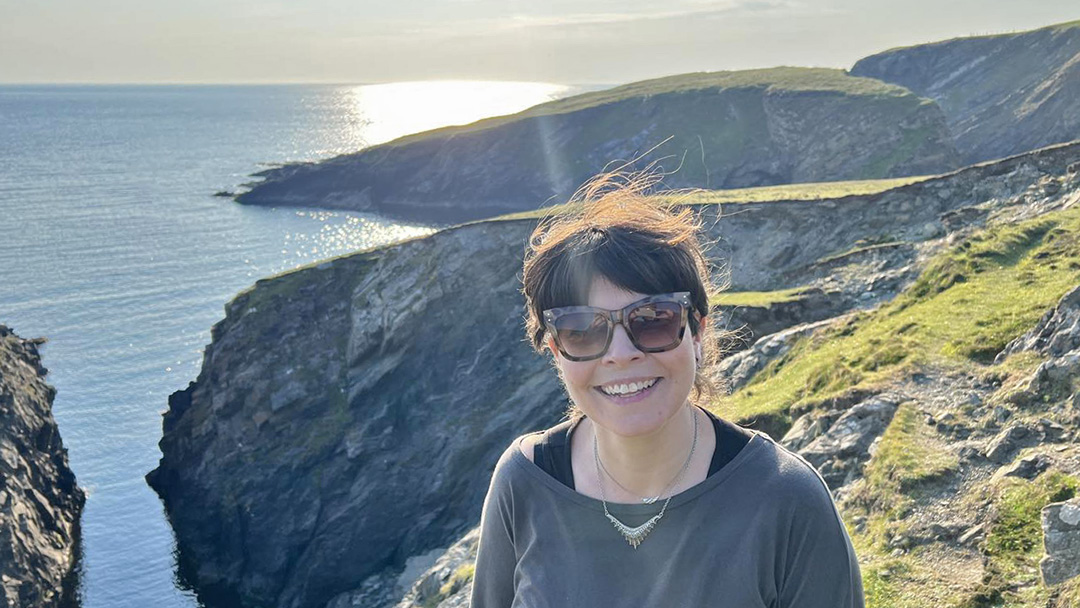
{"type": "Point", "coordinates": [641, 497]}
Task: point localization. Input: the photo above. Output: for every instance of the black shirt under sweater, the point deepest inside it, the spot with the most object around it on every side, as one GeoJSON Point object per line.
{"type": "Point", "coordinates": [552, 452]}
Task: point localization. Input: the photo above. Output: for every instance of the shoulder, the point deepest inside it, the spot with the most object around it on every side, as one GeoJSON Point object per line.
{"type": "Point", "coordinates": [557, 435]}
{"type": "Point", "coordinates": [511, 461]}
{"type": "Point", "coordinates": [790, 482]}
{"type": "Point", "coordinates": [526, 443]}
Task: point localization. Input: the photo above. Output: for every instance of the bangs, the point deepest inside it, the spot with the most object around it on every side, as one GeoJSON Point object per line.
{"type": "Point", "coordinates": [628, 259]}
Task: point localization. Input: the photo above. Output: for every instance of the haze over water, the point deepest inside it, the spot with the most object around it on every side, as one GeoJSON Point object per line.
{"type": "Point", "coordinates": [115, 251]}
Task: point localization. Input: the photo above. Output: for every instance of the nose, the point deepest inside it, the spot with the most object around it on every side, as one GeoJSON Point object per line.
{"type": "Point", "coordinates": [622, 350]}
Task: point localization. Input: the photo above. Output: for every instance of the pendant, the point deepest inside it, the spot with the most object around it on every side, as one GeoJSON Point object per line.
{"type": "Point", "coordinates": [634, 536]}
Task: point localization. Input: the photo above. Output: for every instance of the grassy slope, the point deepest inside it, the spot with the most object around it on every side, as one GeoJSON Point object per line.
{"type": "Point", "coordinates": [756, 298]}
{"type": "Point", "coordinates": [811, 191]}
{"type": "Point", "coordinates": [1059, 27]}
{"type": "Point", "coordinates": [962, 310]}
{"type": "Point", "coordinates": [967, 304]}
{"type": "Point", "coordinates": [779, 78]}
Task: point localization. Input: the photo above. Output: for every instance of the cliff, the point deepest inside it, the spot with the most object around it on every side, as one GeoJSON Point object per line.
{"type": "Point", "coordinates": [1001, 94]}
{"type": "Point", "coordinates": [40, 504]}
{"type": "Point", "coordinates": [347, 414]}
{"type": "Point", "coordinates": [726, 130]}
{"type": "Point", "coordinates": [945, 418]}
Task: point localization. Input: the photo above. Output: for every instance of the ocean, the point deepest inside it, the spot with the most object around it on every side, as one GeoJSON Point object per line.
{"type": "Point", "coordinates": [115, 250]}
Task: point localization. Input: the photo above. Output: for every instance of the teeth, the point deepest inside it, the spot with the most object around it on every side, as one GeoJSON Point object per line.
{"type": "Point", "coordinates": [625, 389]}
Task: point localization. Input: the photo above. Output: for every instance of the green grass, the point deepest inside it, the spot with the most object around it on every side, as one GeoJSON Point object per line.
{"type": "Point", "coordinates": [906, 457]}
{"type": "Point", "coordinates": [880, 588]}
{"type": "Point", "coordinates": [1069, 593]}
{"type": "Point", "coordinates": [458, 579]}
{"type": "Point", "coordinates": [756, 298]}
{"type": "Point", "coordinates": [809, 191]}
{"type": "Point", "coordinates": [965, 306]}
{"type": "Point", "coordinates": [1013, 545]}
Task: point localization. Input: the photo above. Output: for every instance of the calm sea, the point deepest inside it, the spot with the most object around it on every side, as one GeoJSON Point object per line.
{"type": "Point", "coordinates": [114, 249]}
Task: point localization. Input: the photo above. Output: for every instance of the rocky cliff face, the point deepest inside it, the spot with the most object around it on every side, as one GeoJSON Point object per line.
{"type": "Point", "coordinates": [324, 384]}
{"type": "Point", "coordinates": [40, 503]}
{"type": "Point", "coordinates": [954, 477]}
{"type": "Point", "coordinates": [348, 414]}
{"type": "Point", "coordinates": [1002, 95]}
{"type": "Point", "coordinates": [726, 130]}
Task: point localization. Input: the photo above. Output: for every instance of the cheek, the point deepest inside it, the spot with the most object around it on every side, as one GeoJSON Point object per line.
{"type": "Point", "coordinates": [575, 376]}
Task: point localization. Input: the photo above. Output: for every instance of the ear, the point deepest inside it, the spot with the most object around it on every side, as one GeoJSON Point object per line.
{"type": "Point", "coordinates": [551, 346]}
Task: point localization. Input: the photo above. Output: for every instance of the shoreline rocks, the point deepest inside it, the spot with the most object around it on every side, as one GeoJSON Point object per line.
{"type": "Point", "coordinates": [40, 503]}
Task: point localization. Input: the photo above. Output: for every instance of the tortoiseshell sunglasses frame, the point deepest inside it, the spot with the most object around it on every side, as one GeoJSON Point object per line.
{"type": "Point", "coordinates": [619, 317]}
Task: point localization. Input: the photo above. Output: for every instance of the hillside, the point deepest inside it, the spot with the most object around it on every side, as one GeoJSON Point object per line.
{"type": "Point", "coordinates": [946, 418]}
{"type": "Point", "coordinates": [302, 474]}
{"type": "Point", "coordinates": [1001, 94]}
{"type": "Point", "coordinates": [722, 130]}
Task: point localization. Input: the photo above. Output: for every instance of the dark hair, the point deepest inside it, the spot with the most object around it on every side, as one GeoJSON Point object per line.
{"type": "Point", "coordinates": [613, 229]}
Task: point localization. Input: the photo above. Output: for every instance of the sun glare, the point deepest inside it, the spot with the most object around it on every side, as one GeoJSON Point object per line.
{"type": "Point", "coordinates": [401, 108]}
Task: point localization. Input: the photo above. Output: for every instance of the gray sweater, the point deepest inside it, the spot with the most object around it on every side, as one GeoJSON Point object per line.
{"type": "Point", "coordinates": [761, 531]}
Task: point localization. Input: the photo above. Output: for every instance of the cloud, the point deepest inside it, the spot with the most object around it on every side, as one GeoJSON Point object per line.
{"type": "Point", "coordinates": [515, 23]}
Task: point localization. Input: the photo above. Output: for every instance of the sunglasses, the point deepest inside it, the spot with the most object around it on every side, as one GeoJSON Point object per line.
{"type": "Point", "coordinates": [654, 324]}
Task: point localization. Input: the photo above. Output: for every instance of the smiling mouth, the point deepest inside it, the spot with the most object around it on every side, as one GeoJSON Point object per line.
{"type": "Point", "coordinates": [649, 384]}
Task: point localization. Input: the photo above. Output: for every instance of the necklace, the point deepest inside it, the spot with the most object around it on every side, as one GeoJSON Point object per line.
{"type": "Point", "coordinates": [652, 499]}
{"type": "Point", "coordinates": [635, 535]}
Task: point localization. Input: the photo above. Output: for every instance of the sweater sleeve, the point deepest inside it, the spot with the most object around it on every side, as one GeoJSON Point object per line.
{"type": "Point", "coordinates": [496, 559]}
{"type": "Point", "coordinates": [820, 566]}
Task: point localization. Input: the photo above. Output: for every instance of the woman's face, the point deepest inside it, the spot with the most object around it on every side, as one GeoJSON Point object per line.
{"type": "Point", "coordinates": [646, 411]}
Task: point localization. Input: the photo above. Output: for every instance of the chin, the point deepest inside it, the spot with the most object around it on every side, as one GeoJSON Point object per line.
{"type": "Point", "coordinates": [631, 419]}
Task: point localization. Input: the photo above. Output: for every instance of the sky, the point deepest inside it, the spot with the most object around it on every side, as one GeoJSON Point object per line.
{"type": "Point", "coordinates": [562, 41]}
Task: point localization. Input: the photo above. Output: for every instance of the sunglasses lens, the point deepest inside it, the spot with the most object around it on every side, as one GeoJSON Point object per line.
{"type": "Point", "coordinates": [656, 325]}
{"type": "Point", "coordinates": [582, 334]}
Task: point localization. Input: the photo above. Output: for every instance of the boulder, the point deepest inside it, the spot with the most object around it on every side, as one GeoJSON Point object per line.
{"type": "Point", "coordinates": [739, 368]}
{"type": "Point", "coordinates": [1028, 468]}
{"type": "Point", "coordinates": [1056, 334]}
{"type": "Point", "coordinates": [839, 452]}
{"type": "Point", "coordinates": [1004, 446]}
{"type": "Point", "coordinates": [1061, 540]}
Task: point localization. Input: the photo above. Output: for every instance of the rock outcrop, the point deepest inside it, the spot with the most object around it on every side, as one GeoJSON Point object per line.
{"type": "Point", "coordinates": [726, 130]}
{"type": "Point", "coordinates": [342, 412]}
{"type": "Point", "coordinates": [40, 503]}
{"type": "Point", "coordinates": [837, 443]}
{"type": "Point", "coordinates": [1002, 94]}
{"type": "Point", "coordinates": [348, 413]}
{"type": "Point", "coordinates": [1061, 539]}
